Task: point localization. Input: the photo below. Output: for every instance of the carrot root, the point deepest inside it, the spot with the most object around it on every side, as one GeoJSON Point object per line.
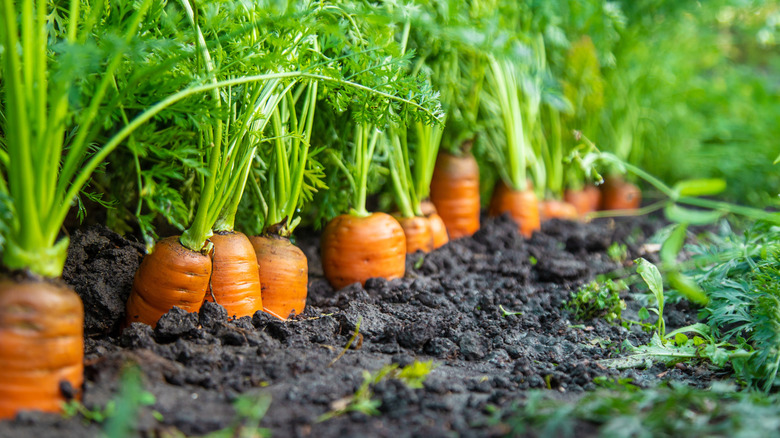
{"type": "Point", "coordinates": [418, 232]}
{"type": "Point", "coordinates": [617, 194]}
{"type": "Point", "coordinates": [555, 209]}
{"type": "Point", "coordinates": [171, 275]}
{"type": "Point", "coordinates": [41, 345]}
{"type": "Point", "coordinates": [235, 281]}
{"type": "Point", "coordinates": [355, 249]}
{"type": "Point", "coordinates": [438, 228]}
{"type": "Point", "coordinates": [455, 193]}
{"type": "Point", "coordinates": [522, 205]}
{"type": "Point", "coordinates": [284, 275]}
{"type": "Point", "coordinates": [585, 201]}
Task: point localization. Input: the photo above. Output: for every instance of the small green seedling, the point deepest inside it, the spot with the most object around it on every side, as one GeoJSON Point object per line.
{"type": "Point", "coordinates": [596, 300]}
{"type": "Point", "coordinates": [250, 410]}
{"type": "Point", "coordinates": [652, 277]}
{"type": "Point", "coordinates": [505, 313]}
{"type": "Point", "coordinates": [355, 335]}
{"type": "Point", "coordinates": [617, 252]}
{"type": "Point", "coordinates": [413, 375]}
{"type": "Point", "coordinates": [120, 413]}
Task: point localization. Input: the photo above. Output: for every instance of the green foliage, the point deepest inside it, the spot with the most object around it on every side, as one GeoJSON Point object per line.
{"type": "Point", "coordinates": [622, 411]}
{"type": "Point", "coordinates": [250, 411]}
{"type": "Point", "coordinates": [617, 252]}
{"type": "Point", "coordinates": [652, 277]}
{"type": "Point", "coordinates": [699, 78]}
{"type": "Point", "coordinates": [598, 300]}
{"type": "Point", "coordinates": [744, 297]}
{"type": "Point", "coordinates": [59, 113]}
{"type": "Point", "coordinates": [413, 375]}
{"type": "Point", "coordinates": [120, 414]}
{"type": "Point", "coordinates": [739, 275]}
{"type": "Point", "coordinates": [678, 347]}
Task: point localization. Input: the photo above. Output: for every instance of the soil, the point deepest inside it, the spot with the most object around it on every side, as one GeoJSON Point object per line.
{"type": "Point", "coordinates": [448, 309]}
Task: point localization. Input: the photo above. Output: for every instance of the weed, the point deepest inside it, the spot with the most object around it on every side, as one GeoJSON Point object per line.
{"type": "Point", "coordinates": [250, 410]}
{"type": "Point", "coordinates": [413, 375]}
{"type": "Point", "coordinates": [617, 252]}
{"type": "Point", "coordinates": [505, 313]}
{"type": "Point", "coordinates": [596, 300]}
{"type": "Point", "coordinates": [739, 276]}
{"type": "Point", "coordinates": [355, 335]}
{"type": "Point", "coordinates": [119, 414]}
{"type": "Point", "coordinates": [623, 411]}
{"type": "Point", "coordinates": [652, 277]}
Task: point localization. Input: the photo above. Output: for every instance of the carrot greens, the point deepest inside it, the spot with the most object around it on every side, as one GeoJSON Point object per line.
{"type": "Point", "coordinates": [292, 174]}
{"type": "Point", "coordinates": [54, 107]}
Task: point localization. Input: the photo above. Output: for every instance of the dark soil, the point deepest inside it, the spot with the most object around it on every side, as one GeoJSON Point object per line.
{"type": "Point", "coordinates": [447, 308]}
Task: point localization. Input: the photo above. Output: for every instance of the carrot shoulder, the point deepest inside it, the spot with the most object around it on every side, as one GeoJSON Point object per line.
{"type": "Point", "coordinates": [41, 344]}
{"type": "Point", "coordinates": [556, 209]}
{"type": "Point", "coordinates": [171, 275]}
{"type": "Point", "coordinates": [418, 232]}
{"type": "Point", "coordinates": [455, 193]}
{"type": "Point", "coordinates": [617, 194]}
{"type": "Point", "coordinates": [585, 201]}
{"type": "Point", "coordinates": [438, 228]}
{"type": "Point", "coordinates": [522, 205]}
{"type": "Point", "coordinates": [355, 249]}
{"type": "Point", "coordinates": [235, 281]}
{"type": "Point", "coordinates": [284, 275]}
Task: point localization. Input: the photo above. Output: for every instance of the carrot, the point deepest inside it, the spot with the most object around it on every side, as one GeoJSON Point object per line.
{"type": "Point", "coordinates": [284, 275]}
{"type": "Point", "coordinates": [617, 194]}
{"type": "Point", "coordinates": [585, 201]}
{"type": "Point", "coordinates": [522, 205]}
{"type": "Point", "coordinates": [356, 248]}
{"type": "Point", "coordinates": [41, 345]}
{"type": "Point", "coordinates": [455, 193]}
{"type": "Point", "coordinates": [418, 232]}
{"type": "Point", "coordinates": [438, 228]}
{"type": "Point", "coordinates": [235, 280]}
{"type": "Point", "coordinates": [171, 275]}
{"type": "Point", "coordinates": [556, 209]}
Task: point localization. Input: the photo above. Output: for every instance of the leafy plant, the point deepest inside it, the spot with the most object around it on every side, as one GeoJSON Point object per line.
{"type": "Point", "coordinates": [595, 300]}
{"type": "Point", "coordinates": [652, 277]}
{"type": "Point", "coordinates": [739, 276]}
{"type": "Point", "coordinates": [617, 252]}
{"type": "Point", "coordinates": [250, 411]}
{"type": "Point", "coordinates": [120, 413]}
{"type": "Point", "coordinates": [675, 410]}
{"type": "Point", "coordinates": [413, 375]}
{"type": "Point", "coordinates": [744, 297]}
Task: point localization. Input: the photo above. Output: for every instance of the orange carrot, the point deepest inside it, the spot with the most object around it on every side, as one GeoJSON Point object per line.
{"type": "Point", "coordinates": [171, 275]}
{"type": "Point", "coordinates": [617, 194]}
{"type": "Point", "coordinates": [555, 209]}
{"type": "Point", "coordinates": [522, 205]}
{"type": "Point", "coordinates": [356, 248]}
{"type": "Point", "coordinates": [455, 193]}
{"type": "Point", "coordinates": [438, 228]}
{"type": "Point", "coordinates": [585, 201]}
{"type": "Point", "coordinates": [418, 232]}
{"type": "Point", "coordinates": [284, 275]}
{"type": "Point", "coordinates": [41, 345]}
{"type": "Point", "coordinates": [235, 280]}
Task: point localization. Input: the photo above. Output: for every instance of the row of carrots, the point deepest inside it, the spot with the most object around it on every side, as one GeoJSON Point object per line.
{"type": "Point", "coordinates": [41, 320]}
{"type": "Point", "coordinates": [246, 275]}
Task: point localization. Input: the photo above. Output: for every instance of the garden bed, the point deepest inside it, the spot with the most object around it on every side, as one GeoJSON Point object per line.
{"type": "Point", "coordinates": [489, 311]}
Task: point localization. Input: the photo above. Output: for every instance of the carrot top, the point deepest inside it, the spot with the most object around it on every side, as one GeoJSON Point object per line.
{"type": "Point", "coordinates": [50, 149]}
